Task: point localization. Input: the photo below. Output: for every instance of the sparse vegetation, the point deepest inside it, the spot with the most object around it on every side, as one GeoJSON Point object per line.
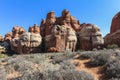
{"type": "Point", "coordinates": [100, 59]}
{"type": "Point", "coordinates": [113, 68]}
{"type": "Point", "coordinates": [70, 75]}
{"type": "Point", "coordinates": [58, 66]}
{"type": "Point", "coordinates": [110, 59]}
{"type": "Point", "coordinates": [88, 55]}
{"type": "Point", "coordinates": [113, 46]}
{"type": "Point", "coordinates": [3, 55]}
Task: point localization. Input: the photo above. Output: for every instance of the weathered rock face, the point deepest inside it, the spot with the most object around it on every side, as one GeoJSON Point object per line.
{"type": "Point", "coordinates": [58, 33]}
{"type": "Point", "coordinates": [36, 29]}
{"type": "Point", "coordinates": [30, 39]}
{"type": "Point", "coordinates": [29, 42]}
{"type": "Point", "coordinates": [115, 23]}
{"type": "Point", "coordinates": [15, 31]}
{"type": "Point", "coordinates": [8, 36]}
{"type": "Point", "coordinates": [114, 36]}
{"type": "Point", "coordinates": [31, 29]}
{"type": "Point", "coordinates": [56, 41]}
{"type": "Point", "coordinates": [50, 22]}
{"type": "Point", "coordinates": [62, 38]}
{"type": "Point", "coordinates": [21, 30]}
{"type": "Point", "coordinates": [1, 38]}
{"type": "Point", "coordinates": [90, 37]}
{"type": "Point", "coordinates": [22, 42]}
{"type": "Point", "coordinates": [42, 27]}
{"type": "Point", "coordinates": [71, 39]}
{"type": "Point", "coordinates": [14, 38]}
{"type": "Point", "coordinates": [76, 25]}
{"type": "Point", "coordinates": [69, 19]}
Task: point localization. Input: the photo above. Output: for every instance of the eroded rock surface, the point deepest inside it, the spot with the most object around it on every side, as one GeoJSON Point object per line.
{"type": "Point", "coordinates": [114, 36]}
{"type": "Point", "coordinates": [90, 37]}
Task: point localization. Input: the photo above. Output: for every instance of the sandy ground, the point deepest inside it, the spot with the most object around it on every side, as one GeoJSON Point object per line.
{"type": "Point", "coordinates": [94, 71]}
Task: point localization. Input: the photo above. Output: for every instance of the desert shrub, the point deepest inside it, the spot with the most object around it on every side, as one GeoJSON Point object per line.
{"type": "Point", "coordinates": [61, 57]}
{"type": "Point", "coordinates": [80, 50]}
{"type": "Point", "coordinates": [66, 65]}
{"type": "Point", "coordinates": [114, 79]}
{"type": "Point", "coordinates": [68, 52]}
{"type": "Point", "coordinates": [88, 55]}
{"type": "Point", "coordinates": [2, 73]}
{"type": "Point", "coordinates": [113, 46]}
{"type": "Point", "coordinates": [70, 75]}
{"type": "Point", "coordinates": [3, 55]}
{"type": "Point", "coordinates": [32, 76]}
{"type": "Point", "coordinates": [117, 53]}
{"type": "Point", "coordinates": [113, 68]}
{"type": "Point", "coordinates": [100, 59]}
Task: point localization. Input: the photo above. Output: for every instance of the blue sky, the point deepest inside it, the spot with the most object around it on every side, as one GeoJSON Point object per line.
{"type": "Point", "coordinates": [27, 12]}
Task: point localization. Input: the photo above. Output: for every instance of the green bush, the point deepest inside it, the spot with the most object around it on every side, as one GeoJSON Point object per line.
{"type": "Point", "coordinates": [3, 56]}
{"type": "Point", "coordinates": [112, 46]}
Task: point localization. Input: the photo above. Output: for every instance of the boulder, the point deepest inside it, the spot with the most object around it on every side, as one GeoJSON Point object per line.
{"type": "Point", "coordinates": [90, 37]}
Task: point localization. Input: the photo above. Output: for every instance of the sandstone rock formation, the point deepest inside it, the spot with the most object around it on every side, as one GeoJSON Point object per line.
{"type": "Point", "coordinates": [31, 29]}
{"type": "Point", "coordinates": [8, 36]}
{"type": "Point", "coordinates": [114, 36]}
{"type": "Point", "coordinates": [21, 30]}
{"type": "Point", "coordinates": [36, 29]}
{"type": "Point", "coordinates": [71, 38]}
{"type": "Point", "coordinates": [56, 41]}
{"type": "Point", "coordinates": [29, 41]}
{"type": "Point", "coordinates": [7, 39]}
{"type": "Point", "coordinates": [55, 34]}
{"type": "Point", "coordinates": [42, 27]}
{"type": "Point", "coordinates": [90, 37]}
{"type": "Point", "coordinates": [50, 22]}
{"type": "Point", "coordinates": [61, 29]}
{"type": "Point", "coordinates": [70, 20]}
{"type": "Point", "coordinates": [21, 41]}
{"type": "Point", "coordinates": [16, 32]}
{"type": "Point", "coordinates": [115, 25]}
{"type": "Point", "coordinates": [1, 38]}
